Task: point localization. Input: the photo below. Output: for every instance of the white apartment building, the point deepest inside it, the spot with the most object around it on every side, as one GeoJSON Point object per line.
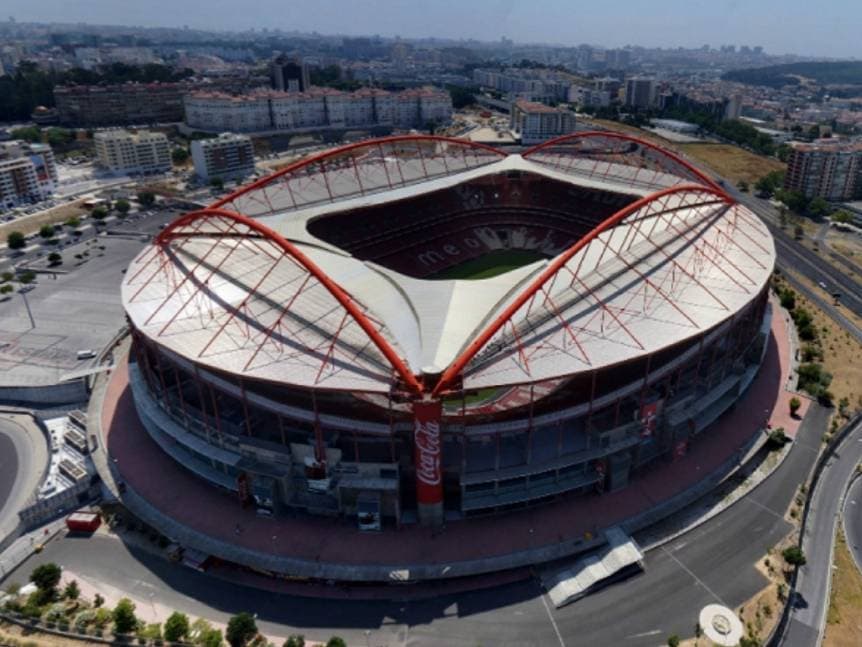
{"type": "Point", "coordinates": [28, 173]}
{"type": "Point", "coordinates": [317, 108]}
{"type": "Point", "coordinates": [123, 152]}
{"type": "Point", "coordinates": [535, 122]}
{"type": "Point", "coordinates": [228, 157]}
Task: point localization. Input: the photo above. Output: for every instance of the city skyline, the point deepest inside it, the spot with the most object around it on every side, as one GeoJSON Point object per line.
{"type": "Point", "coordinates": [806, 29]}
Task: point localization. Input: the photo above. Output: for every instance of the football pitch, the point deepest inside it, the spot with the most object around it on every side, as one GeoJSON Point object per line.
{"type": "Point", "coordinates": [491, 264]}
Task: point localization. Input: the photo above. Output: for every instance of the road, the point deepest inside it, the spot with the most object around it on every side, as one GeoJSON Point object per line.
{"type": "Point", "coordinates": [23, 457]}
{"type": "Point", "coordinates": [808, 615]}
{"type": "Point", "coordinates": [853, 521]}
{"type": "Point", "coordinates": [712, 563]}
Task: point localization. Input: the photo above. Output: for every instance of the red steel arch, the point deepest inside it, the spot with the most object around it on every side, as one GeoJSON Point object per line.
{"type": "Point", "coordinates": [609, 134]}
{"type": "Point", "coordinates": [557, 264]}
{"type": "Point", "coordinates": [349, 148]}
{"type": "Point", "coordinates": [398, 364]}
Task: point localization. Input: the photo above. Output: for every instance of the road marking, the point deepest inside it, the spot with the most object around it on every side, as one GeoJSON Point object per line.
{"type": "Point", "coordinates": [553, 622]}
{"type": "Point", "coordinates": [763, 507]}
{"type": "Point", "coordinates": [696, 578]}
{"type": "Point", "coordinates": [645, 634]}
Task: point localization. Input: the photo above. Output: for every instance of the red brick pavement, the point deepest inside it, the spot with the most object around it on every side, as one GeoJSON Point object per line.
{"type": "Point", "coordinates": [183, 496]}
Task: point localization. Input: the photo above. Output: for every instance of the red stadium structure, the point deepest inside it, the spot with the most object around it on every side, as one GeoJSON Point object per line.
{"type": "Point", "coordinates": [301, 342]}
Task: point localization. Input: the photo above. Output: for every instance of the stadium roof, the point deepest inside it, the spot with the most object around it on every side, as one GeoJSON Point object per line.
{"type": "Point", "coordinates": [244, 287]}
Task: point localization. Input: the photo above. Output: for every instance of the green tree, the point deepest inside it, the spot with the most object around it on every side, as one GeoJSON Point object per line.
{"type": "Point", "coordinates": [72, 591]}
{"type": "Point", "coordinates": [795, 403]}
{"type": "Point", "coordinates": [46, 231]}
{"type": "Point", "coordinates": [46, 577]}
{"type": "Point", "coordinates": [794, 556]}
{"type": "Point", "coordinates": [241, 628]}
{"type": "Point", "coordinates": [73, 222]}
{"type": "Point", "coordinates": [179, 155]}
{"type": "Point", "coordinates": [211, 638]}
{"type": "Point", "coordinates": [673, 641]}
{"type": "Point", "coordinates": [30, 134]}
{"type": "Point", "coordinates": [147, 198]}
{"type": "Point", "coordinates": [59, 136]}
{"type": "Point", "coordinates": [336, 641]}
{"type": "Point", "coordinates": [6, 288]}
{"type": "Point", "coordinates": [16, 240]}
{"type": "Point", "coordinates": [788, 299]}
{"type": "Point", "coordinates": [462, 97]}
{"type": "Point", "coordinates": [818, 207]}
{"type": "Point", "coordinates": [27, 277]}
{"type": "Point", "coordinates": [124, 617]}
{"type": "Point", "coordinates": [98, 601]}
{"type": "Point", "coordinates": [841, 217]}
{"type": "Point", "coordinates": [99, 213]}
{"type": "Point", "coordinates": [217, 183]}
{"type": "Point", "coordinates": [295, 640]}
{"type": "Point", "coordinates": [122, 206]}
{"type": "Point", "coordinates": [176, 627]}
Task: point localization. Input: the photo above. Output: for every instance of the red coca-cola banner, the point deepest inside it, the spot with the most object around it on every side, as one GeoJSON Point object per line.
{"type": "Point", "coordinates": [426, 438]}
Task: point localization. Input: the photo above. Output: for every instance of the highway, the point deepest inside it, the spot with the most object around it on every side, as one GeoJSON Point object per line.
{"type": "Point", "coordinates": [811, 601]}
{"type": "Point", "coordinates": [852, 521]}
{"type": "Point", "coordinates": [712, 563]}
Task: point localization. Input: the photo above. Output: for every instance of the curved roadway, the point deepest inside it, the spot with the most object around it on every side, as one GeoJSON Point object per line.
{"type": "Point", "coordinates": [712, 563]}
{"type": "Point", "coordinates": [811, 601]}
{"type": "Point", "coordinates": [20, 471]}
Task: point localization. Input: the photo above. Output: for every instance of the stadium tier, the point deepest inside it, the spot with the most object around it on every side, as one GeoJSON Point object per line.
{"type": "Point", "coordinates": [419, 328]}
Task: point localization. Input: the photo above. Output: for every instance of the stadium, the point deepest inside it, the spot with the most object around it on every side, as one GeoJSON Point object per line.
{"type": "Point", "coordinates": [419, 329]}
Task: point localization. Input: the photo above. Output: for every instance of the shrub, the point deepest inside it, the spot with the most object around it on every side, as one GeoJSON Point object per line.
{"type": "Point", "coordinates": [777, 438]}
{"type": "Point", "coordinates": [73, 222]}
{"type": "Point", "coordinates": [99, 213]}
{"type": "Point", "coordinates": [46, 577]}
{"type": "Point", "coordinates": [147, 198]}
{"type": "Point", "coordinates": [788, 299]}
{"type": "Point", "coordinates": [122, 206]}
{"type": "Point", "coordinates": [72, 591]}
{"type": "Point", "coordinates": [25, 278]}
{"type": "Point", "coordinates": [794, 556]}
{"type": "Point", "coordinates": [295, 641]}
{"type": "Point", "coordinates": [7, 276]}
{"type": "Point", "coordinates": [176, 627]}
{"type": "Point", "coordinates": [337, 641]}
{"type": "Point", "coordinates": [6, 289]}
{"type": "Point", "coordinates": [124, 617]}
{"type": "Point", "coordinates": [241, 628]}
{"type": "Point", "coordinates": [46, 231]}
{"type": "Point", "coordinates": [16, 240]}
{"type": "Point", "coordinates": [795, 403]}
{"type": "Point", "coordinates": [54, 259]}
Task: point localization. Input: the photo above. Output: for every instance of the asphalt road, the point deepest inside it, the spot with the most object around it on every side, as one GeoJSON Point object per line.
{"type": "Point", "coordinates": [812, 586]}
{"type": "Point", "coordinates": [713, 563]}
{"type": "Point", "coordinates": [853, 521]}
{"type": "Point", "coordinates": [8, 467]}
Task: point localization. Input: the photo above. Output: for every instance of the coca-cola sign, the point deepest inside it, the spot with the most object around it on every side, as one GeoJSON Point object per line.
{"type": "Point", "coordinates": [427, 440]}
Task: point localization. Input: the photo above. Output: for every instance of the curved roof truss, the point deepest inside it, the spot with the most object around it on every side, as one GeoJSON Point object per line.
{"type": "Point", "coordinates": [358, 169]}
{"type": "Point", "coordinates": [270, 283]}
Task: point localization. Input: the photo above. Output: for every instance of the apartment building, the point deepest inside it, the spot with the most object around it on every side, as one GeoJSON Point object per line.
{"type": "Point", "coordinates": [641, 92]}
{"type": "Point", "coordinates": [316, 108]}
{"type": "Point", "coordinates": [828, 168]}
{"type": "Point", "coordinates": [119, 105]}
{"type": "Point", "coordinates": [126, 153]}
{"type": "Point", "coordinates": [28, 173]}
{"type": "Point", "coordinates": [228, 157]}
{"type": "Point", "coordinates": [535, 122]}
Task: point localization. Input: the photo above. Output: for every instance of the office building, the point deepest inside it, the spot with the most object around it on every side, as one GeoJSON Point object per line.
{"type": "Point", "coordinates": [126, 153]}
{"type": "Point", "coordinates": [119, 105]}
{"type": "Point", "coordinates": [289, 74]}
{"type": "Point", "coordinates": [316, 108]}
{"type": "Point", "coordinates": [830, 169]}
{"type": "Point", "coordinates": [536, 122]}
{"type": "Point", "coordinates": [28, 173]}
{"type": "Point", "coordinates": [641, 92]}
{"type": "Point", "coordinates": [227, 157]}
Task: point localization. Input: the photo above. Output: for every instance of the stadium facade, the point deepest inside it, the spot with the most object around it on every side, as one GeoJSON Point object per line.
{"type": "Point", "coordinates": [323, 340]}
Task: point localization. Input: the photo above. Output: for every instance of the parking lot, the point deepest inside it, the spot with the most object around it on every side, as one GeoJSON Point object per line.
{"type": "Point", "coordinates": [74, 308]}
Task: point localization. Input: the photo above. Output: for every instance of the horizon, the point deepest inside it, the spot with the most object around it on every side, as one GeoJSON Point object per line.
{"type": "Point", "coordinates": [806, 31]}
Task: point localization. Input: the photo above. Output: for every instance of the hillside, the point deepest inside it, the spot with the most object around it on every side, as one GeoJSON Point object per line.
{"type": "Point", "coordinates": [829, 73]}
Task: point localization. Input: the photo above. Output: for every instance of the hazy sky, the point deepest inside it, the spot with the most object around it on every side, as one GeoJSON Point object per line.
{"type": "Point", "coordinates": [814, 27]}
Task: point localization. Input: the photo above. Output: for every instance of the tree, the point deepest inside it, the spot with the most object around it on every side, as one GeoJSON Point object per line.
{"type": "Point", "coordinates": [99, 213]}
{"type": "Point", "coordinates": [217, 183]}
{"type": "Point", "coordinates": [795, 403]}
{"type": "Point", "coordinates": [146, 198]}
{"type": "Point", "coordinates": [788, 299]}
{"type": "Point", "coordinates": [794, 556]}
{"type": "Point", "coordinates": [98, 600]}
{"type": "Point", "coordinates": [240, 629]}
{"type": "Point", "coordinates": [73, 222]}
{"type": "Point", "coordinates": [27, 277]}
{"type": "Point", "coordinates": [296, 640]}
{"type": "Point", "coordinates": [124, 617]}
{"type": "Point", "coordinates": [742, 185]}
{"type": "Point", "coordinates": [462, 97]}
{"type": "Point", "coordinates": [841, 217]}
{"type": "Point", "coordinates": [6, 289]}
{"type": "Point", "coordinates": [818, 207]}
{"type": "Point", "coordinates": [46, 231]}
{"type": "Point", "coordinates": [16, 240]}
{"type": "Point", "coordinates": [31, 134]}
{"type": "Point", "coordinates": [673, 641]}
{"type": "Point", "coordinates": [211, 638]}
{"type": "Point", "coordinates": [46, 577]}
{"type": "Point", "coordinates": [72, 591]}
{"type": "Point", "coordinates": [122, 206]}
{"type": "Point", "coordinates": [179, 155]}
{"type": "Point", "coordinates": [176, 627]}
